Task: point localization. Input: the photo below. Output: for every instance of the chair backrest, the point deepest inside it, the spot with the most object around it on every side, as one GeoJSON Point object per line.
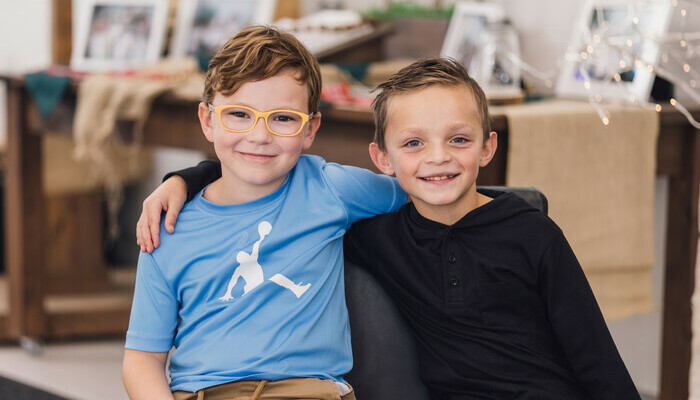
{"type": "Point", "coordinates": [384, 352]}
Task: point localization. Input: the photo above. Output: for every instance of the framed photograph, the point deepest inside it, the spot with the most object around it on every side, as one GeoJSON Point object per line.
{"type": "Point", "coordinates": [479, 38]}
{"type": "Point", "coordinates": [202, 26]}
{"type": "Point", "coordinates": [117, 34]}
{"type": "Point", "coordinates": [613, 50]}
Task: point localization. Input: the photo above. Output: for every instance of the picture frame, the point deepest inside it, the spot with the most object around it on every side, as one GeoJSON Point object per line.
{"type": "Point", "coordinates": [478, 37]}
{"type": "Point", "coordinates": [613, 49]}
{"type": "Point", "coordinates": [117, 34]}
{"type": "Point", "coordinates": [202, 26]}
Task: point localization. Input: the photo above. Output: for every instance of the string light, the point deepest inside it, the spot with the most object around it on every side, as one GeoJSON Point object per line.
{"type": "Point", "coordinates": [677, 49]}
{"type": "Point", "coordinates": [686, 113]}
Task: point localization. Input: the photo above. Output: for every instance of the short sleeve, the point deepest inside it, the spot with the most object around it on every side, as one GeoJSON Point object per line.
{"type": "Point", "coordinates": [154, 310]}
{"type": "Point", "coordinates": [362, 192]}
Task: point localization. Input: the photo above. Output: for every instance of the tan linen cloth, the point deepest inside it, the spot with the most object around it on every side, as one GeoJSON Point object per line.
{"type": "Point", "coordinates": [599, 181]}
{"type": "Point", "coordinates": [104, 99]}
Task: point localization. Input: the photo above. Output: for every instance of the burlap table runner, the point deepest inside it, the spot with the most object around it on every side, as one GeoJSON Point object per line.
{"type": "Point", "coordinates": [600, 184]}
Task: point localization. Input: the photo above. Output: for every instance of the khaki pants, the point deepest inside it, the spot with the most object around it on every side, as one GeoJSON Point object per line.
{"type": "Point", "coordinates": [288, 389]}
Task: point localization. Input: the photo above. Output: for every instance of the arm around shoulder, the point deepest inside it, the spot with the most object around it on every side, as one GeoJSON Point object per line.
{"type": "Point", "coordinates": [177, 188]}
{"type": "Point", "coordinates": [198, 177]}
{"type": "Point", "coordinates": [144, 375]}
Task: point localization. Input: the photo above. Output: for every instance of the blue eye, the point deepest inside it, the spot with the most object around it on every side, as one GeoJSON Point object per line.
{"type": "Point", "coordinates": [459, 140]}
{"type": "Point", "coordinates": [413, 143]}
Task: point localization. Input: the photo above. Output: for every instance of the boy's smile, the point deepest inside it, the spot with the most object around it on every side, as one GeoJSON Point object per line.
{"type": "Point", "coordinates": [434, 144]}
{"type": "Point", "coordinates": [256, 163]}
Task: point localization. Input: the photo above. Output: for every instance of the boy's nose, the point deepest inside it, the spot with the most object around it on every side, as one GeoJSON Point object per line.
{"type": "Point", "coordinates": [259, 133]}
{"type": "Point", "coordinates": [438, 154]}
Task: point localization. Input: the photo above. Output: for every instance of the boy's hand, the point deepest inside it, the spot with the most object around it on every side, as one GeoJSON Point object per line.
{"type": "Point", "coordinates": [169, 196]}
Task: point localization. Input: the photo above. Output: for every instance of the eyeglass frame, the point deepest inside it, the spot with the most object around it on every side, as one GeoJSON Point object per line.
{"type": "Point", "coordinates": [259, 114]}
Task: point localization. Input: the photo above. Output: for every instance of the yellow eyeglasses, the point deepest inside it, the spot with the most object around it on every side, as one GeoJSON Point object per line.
{"type": "Point", "coordinates": [241, 119]}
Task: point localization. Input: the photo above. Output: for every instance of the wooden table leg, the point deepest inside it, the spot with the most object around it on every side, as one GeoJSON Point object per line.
{"type": "Point", "coordinates": [24, 216]}
{"type": "Point", "coordinates": [681, 250]}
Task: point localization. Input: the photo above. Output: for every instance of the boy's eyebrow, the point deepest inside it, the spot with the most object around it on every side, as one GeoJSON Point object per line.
{"type": "Point", "coordinates": [462, 126]}
{"type": "Point", "coordinates": [411, 130]}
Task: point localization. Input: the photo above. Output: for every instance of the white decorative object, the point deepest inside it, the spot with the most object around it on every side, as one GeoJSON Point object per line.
{"type": "Point", "coordinates": [326, 30]}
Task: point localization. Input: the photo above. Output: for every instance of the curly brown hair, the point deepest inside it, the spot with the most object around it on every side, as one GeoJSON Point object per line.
{"type": "Point", "coordinates": [257, 53]}
{"type": "Point", "coordinates": [419, 75]}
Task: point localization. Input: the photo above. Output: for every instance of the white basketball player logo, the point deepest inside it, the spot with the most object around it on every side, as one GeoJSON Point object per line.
{"type": "Point", "coordinates": [252, 272]}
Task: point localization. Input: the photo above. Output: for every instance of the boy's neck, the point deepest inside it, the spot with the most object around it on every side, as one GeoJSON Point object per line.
{"type": "Point", "coordinates": [220, 192]}
{"type": "Point", "coordinates": [449, 215]}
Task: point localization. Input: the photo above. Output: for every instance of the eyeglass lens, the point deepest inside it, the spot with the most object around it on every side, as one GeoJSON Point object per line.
{"type": "Point", "coordinates": [240, 119]}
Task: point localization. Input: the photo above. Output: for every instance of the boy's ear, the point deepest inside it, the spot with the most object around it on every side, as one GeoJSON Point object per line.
{"type": "Point", "coordinates": [206, 120]}
{"type": "Point", "coordinates": [380, 159]}
{"type": "Point", "coordinates": [489, 149]}
{"type": "Point", "coordinates": [310, 135]}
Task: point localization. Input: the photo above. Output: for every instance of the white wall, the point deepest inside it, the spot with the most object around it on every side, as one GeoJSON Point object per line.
{"type": "Point", "coordinates": [25, 29]}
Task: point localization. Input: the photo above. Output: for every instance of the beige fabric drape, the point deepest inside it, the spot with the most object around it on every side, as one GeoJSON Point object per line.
{"type": "Point", "coordinates": [103, 100]}
{"type": "Point", "coordinates": [600, 184]}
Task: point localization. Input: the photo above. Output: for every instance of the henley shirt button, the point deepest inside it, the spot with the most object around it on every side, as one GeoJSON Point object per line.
{"type": "Point", "coordinates": [451, 234]}
{"type": "Point", "coordinates": [454, 282]}
{"type": "Point", "coordinates": [452, 259]}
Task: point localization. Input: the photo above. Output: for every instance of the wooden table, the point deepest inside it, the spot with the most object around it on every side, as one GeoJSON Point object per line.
{"type": "Point", "coordinates": [344, 138]}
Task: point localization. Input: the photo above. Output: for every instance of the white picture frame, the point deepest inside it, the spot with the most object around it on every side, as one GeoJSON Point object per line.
{"type": "Point", "coordinates": [466, 25]}
{"type": "Point", "coordinates": [464, 42]}
{"type": "Point", "coordinates": [610, 56]}
{"type": "Point", "coordinates": [202, 26]}
{"type": "Point", "coordinates": [113, 35]}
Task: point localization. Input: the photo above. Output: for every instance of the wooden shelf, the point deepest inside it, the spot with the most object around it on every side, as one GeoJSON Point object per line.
{"type": "Point", "coordinates": [86, 314]}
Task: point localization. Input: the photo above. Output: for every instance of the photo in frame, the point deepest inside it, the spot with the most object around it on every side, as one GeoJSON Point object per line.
{"type": "Point", "coordinates": [117, 34]}
{"type": "Point", "coordinates": [202, 26]}
{"type": "Point", "coordinates": [613, 50]}
{"type": "Point", "coordinates": [479, 38]}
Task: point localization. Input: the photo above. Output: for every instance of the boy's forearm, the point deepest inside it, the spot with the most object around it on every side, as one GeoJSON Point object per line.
{"type": "Point", "coordinates": [144, 376]}
{"type": "Point", "coordinates": [198, 177]}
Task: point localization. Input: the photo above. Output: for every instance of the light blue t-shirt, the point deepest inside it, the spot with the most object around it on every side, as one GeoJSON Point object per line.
{"type": "Point", "coordinates": [258, 287]}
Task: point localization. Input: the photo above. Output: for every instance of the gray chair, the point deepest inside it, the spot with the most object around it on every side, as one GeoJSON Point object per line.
{"type": "Point", "coordinates": [385, 360]}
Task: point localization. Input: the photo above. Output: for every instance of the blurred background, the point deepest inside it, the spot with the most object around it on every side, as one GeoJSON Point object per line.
{"type": "Point", "coordinates": [62, 315]}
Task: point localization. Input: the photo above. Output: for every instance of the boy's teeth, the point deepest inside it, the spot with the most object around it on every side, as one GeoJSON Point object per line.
{"type": "Point", "coordinates": [436, 178]}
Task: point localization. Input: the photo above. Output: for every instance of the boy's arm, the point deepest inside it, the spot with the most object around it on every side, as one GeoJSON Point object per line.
{"type": "Point", "coordinates": [144, 375]}
{"type": "Point", "coordinates": [170, 196]}
{"type": "Point", "coordinates": [579, 326]}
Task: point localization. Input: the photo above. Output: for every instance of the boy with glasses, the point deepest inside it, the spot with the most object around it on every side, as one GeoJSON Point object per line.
{"type": "Point", "coordinates": [249, 292]}
{"type": "Point", "coordinates": [489, 286]}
